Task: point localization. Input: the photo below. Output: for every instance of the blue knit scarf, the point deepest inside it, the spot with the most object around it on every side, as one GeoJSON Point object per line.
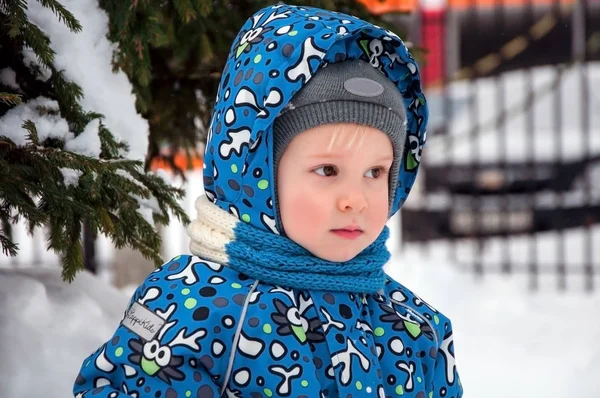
{"type": "Point", "coordinates": [278, 260]}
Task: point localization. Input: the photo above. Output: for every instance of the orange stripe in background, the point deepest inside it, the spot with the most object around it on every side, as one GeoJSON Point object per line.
{"type": "Point", "coordinates": [181, 160]}
{"type": "Point", "coordinates": [378, 7]}
{"type": "Point", "coordinates": [461, 4]}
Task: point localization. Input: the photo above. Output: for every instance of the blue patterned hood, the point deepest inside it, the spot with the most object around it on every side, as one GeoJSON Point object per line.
{"type": "Point", "coordinates": [274, 55]}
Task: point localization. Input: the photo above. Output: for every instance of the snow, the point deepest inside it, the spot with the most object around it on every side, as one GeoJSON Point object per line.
{"type": "Point", "coordinates": [8, 77]}
{"type": "Point", "coordinates": [86, 59]}
{"type": "Point", "coordinates": [71, 176]}
{"type": "Point", "coordinates": [31, 61]}
{"type": "Point", "coordinates": [89, 53]}
{"type": "Point", "coordinates": [511, 343]}
{"type": "Point", "coordinates": [50, 327]}
{"type": "Point", "coordinates": [48, 125]}
{"type": "Point", "coordinates": [146, 214]}
{"type": "Point", "coordinates": [88, 142]}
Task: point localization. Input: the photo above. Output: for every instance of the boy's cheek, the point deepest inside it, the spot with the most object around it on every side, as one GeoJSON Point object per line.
{"type": "Point", "coordinates": [303, 192]}
{"type": "Point", "coordinates": [307, 201]}
{"type": "Point", "coordinates": [303, 211]}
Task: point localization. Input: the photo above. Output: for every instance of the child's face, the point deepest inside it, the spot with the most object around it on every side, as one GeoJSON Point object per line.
{"type": "Point", "coordinates": [332, 177]}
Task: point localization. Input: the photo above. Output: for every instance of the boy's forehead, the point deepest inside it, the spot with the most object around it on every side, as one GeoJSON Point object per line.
{"type": "Point", "coordinates": [338, 133]}
{"type": "Point", "coordinates": [340, 139]}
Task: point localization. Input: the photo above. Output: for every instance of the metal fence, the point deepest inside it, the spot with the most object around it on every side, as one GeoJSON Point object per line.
{"type": "Point", "coordinates": [510, 178]}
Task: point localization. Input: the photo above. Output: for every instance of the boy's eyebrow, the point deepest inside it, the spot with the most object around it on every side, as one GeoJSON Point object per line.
{"type": "Point", "coordinates": [329, 155]}
{"type": "Point", "coordinates": [384, 157]}
{"type": "Point", "coordinates": [326, 155]}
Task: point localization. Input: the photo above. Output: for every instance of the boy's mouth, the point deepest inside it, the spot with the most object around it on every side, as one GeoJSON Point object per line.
{"type": "Point", "coordinates": [348, 232]}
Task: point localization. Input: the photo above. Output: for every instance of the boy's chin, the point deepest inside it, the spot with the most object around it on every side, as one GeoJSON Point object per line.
{"type": "Point", "coordinates": [337, 256]}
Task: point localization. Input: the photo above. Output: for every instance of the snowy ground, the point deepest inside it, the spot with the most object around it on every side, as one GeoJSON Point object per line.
{"type": "Point", "coordinates": [509, 343]}
{"type": "Point", "coordinates": [49, 327]}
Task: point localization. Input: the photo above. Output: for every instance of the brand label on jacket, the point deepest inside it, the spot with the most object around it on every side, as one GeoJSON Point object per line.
{"type": "Point", "coordinates": [143, 322]}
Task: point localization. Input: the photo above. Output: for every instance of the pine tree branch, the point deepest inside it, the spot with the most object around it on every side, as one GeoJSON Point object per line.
{"type": "Point", "coordinates": [39, 43]}
{"type": "Point", "coordinates": [185, 10]}
{"type": "Point", "coordinates": [103, 197]}
{"type": "Point", "coordinates": [63, 14]}
{"type": "Point", "coordinates": [10, 98]}
{"type": "Point", "coordinates": [44, 185]}
{"type": "Point", "coordinates": [73, 256]}
{"type": "Point", "coordinates": [203, 7]}
{"type": "Point", "coordinates": [8, 247]}
{"type": "Point", "coordinates": [69, 94]}
{"type": "Point", "coordinates": [109, 147]}
{"type": "Point", "coordinates": [33, 137]}
{"type": "Point", "coordinates": [157, 187]}
{"type": "Point", "coordinates": [17, 17]}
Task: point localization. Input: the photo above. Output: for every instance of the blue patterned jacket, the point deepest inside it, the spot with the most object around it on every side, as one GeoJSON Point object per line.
{"type": "Point", "coordinates": [178, 339]}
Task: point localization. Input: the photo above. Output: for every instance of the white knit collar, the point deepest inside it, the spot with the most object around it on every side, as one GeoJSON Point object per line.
{"type": "Point", "coordinates": [211, 231]}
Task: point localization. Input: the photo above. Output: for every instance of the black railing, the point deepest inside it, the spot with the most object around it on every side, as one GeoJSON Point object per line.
{"type": "Point", "coordinates": [503, 173]}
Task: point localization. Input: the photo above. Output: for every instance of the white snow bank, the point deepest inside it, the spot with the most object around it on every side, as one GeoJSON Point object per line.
{"type": "Point", "coordinates": [47, 125]}
{"type": "Point", "coordinates": [511, 343]}
{"type": "Point", "coordinates": [49, 327]}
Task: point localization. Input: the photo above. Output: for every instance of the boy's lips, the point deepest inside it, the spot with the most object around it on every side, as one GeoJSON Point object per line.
{"type": "Point", "coordinates": [352, 227]}
{"type": "Point", "coordinates": [348, 232]}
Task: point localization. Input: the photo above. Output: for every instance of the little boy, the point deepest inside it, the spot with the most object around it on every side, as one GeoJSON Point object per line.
{"type": "Point", "coordinates": [314, 143]}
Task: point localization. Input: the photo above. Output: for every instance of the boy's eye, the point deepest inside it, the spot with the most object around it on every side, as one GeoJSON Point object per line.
{"type": "Point", "coordinates": [326, 171]}
{"type": "Point", "coordinates": [374, 172]}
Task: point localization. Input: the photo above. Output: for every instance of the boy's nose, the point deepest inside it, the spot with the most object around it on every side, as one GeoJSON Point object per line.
{"type": "Point", "coordinates": [352, 201]}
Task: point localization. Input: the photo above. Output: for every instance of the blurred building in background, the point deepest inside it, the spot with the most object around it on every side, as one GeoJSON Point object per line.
{"type": "Point", "coordinates": [510, 181]}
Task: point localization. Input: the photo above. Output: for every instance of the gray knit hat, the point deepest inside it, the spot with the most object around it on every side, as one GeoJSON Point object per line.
{"type": "Point", "coordinates": [346, 92]}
